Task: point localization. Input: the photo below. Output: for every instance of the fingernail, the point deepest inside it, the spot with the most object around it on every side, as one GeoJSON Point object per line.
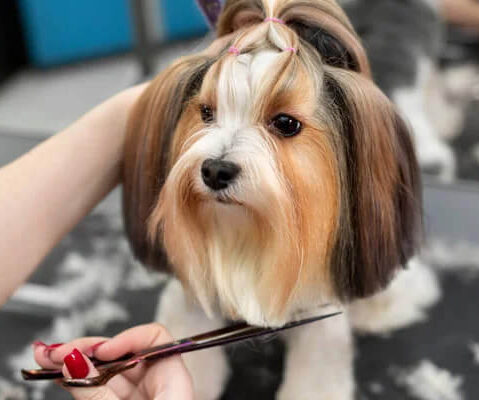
{"type": "Point", "coordinates": [37, 343]}
{"type": "Point", "coordinates": [91, 350]}
{"type": "Point", "coordinates": [76, 364]}
{"type": "Point", "coordinates": [52, 347]}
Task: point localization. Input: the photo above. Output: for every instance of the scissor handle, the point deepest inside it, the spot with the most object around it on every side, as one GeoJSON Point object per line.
{"type": "Point", "coordinates": [42, 374]}
{"type": "Point", "coordinates": [105, 375]}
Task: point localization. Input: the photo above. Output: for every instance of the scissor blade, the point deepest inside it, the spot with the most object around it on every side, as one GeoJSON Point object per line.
{"type": "Point", "coordinates": [206, 340]}
{"type": "Point", "coordinates": [222, 337]}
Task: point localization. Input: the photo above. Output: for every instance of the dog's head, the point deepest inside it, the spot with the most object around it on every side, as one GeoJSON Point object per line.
{"type": "Point", "coordinates": [271, 169]}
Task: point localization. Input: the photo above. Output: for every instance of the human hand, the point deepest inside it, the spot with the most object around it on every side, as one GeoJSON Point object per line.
{"type": "Point", "coordinates": [162, 380]}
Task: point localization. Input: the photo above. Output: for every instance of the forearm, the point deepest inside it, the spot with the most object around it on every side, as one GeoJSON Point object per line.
{"type": "Point", "coordinates": [46, 192]}
{"type": "Point", "coordinates": [462, 12]}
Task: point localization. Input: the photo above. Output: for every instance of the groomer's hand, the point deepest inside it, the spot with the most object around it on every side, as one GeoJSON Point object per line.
{"type": "Point", "coordinates": [165, 379]}
{"type": "Point", "coordinates": [464, 13]}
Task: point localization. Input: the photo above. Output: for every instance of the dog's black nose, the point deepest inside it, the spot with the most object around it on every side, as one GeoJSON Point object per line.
{"type": "Point", "coordinates": [218, 174]}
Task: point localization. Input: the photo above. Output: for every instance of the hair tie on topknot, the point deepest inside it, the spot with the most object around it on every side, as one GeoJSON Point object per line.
{"type": "Point", "coordinates": [234, 50]}
{"type": "Point", "coordinates": [273, 19]}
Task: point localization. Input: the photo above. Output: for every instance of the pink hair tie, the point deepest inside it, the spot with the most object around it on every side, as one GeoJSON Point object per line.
{"type": "Point", "coordinates": [234, 50]}
{"type": "Point", "coordinates": [273, 19]}
{"type": "Point", "coordinates": [292, 49]}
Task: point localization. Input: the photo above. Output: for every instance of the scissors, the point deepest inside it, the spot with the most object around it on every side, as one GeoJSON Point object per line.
{"type": "Point", "coordinates": [109, 369]}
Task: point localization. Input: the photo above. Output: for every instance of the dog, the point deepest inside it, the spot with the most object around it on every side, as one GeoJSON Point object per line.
{"type": "Point", "coordinates": [274, 179]}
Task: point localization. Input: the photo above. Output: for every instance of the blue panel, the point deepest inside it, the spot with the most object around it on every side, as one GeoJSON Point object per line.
{"type": "Point", "coordinates": [59, 31]}
{"type": "Point", "coordinates": [182, 19]}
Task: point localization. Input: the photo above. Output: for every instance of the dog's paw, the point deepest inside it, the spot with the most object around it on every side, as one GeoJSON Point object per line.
{"type": "Point", "coordinates": [403, 303]}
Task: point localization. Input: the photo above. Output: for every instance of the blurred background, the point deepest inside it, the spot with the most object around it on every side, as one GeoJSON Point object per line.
{"type": "Point", "coordinates": [60, 58]}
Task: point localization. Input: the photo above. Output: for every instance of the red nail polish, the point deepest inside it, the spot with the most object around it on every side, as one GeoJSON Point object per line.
{"type": "Point", "coordinates": [54, 346]}
{"type": "Point", "coordinates": [76, 365]}
{"type": "Point", "coordinates": [91, 350]}
{"type": "Point", "coordinates": [37, 343]}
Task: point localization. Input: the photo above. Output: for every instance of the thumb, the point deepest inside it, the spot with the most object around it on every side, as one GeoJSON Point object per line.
{"type": "Point", "coordinates": [78, 366]}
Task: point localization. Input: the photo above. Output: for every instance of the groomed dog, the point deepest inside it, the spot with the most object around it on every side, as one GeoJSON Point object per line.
{"type": "Point", "coordinates": [277, 179]}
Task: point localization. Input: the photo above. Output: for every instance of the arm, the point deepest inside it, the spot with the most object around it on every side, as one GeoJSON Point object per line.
{"type": "Point", "coordinates": [47, 191]}
{"type": "Point", "coordinates": [462, 12]}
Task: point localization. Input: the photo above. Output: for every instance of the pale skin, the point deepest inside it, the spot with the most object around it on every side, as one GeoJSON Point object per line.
{"type": "Point", "coordinates": [43, 195]}
{"type": "Point", "coordinates": [47, 191]}
{"type": "Point", "coordinates": [163, 380]}
{"type": "Point", "coordinates": [462, 12]}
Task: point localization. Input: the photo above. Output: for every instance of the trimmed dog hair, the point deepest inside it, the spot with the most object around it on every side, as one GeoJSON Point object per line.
{"type": "Point", "coordinates": [325, 215]}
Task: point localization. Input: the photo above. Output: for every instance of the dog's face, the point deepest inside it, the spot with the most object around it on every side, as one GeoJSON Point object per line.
{"type": "Point", "coordinates": [276, 176]}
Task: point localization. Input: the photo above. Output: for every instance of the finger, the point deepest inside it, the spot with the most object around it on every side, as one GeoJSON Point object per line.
{"type": "Point", "coordinates": [51, 356]}
{"type": "Point", "coordinates": [133, 340]}
{"type": "Point", "coordinates": [78, 366]}
{"type": "Point", "coordinates": [119, 384]}
{"type": "Point", "coordinates": [168, 376]}
{"type": "Point", "coordinates": [171, 379]}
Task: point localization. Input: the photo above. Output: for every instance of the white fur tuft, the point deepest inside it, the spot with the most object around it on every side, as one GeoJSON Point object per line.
{"type": "Point", "coordinates": [402, 304]}
{"type": "Point", "coordinates": [429, 382]}
{"type": "Point", "coordinates": [474, 347]}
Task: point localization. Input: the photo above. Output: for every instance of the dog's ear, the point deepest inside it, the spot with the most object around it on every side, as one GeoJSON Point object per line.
{"type": "Point", "coordinates": [151, 126]}
{"type": "Point", "coordinates": [332, 51]}
{"type": "Point", "coordinates": [325, 27]}
{"type": "Point", "coordinates": [381, 226]}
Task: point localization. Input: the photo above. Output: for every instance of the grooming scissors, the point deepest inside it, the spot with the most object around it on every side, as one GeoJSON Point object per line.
{"type": "Point", "coordinates": [109, 369]}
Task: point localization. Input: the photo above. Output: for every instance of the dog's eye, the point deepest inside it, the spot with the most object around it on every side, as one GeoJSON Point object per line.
{"type": "Point", "coordinates": [286, 125]}
{"type": "Point", "coordinates": [207, 114]}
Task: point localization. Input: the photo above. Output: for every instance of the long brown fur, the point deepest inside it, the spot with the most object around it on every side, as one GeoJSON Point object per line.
{"type": "Point", "coordinates": [357, 148]}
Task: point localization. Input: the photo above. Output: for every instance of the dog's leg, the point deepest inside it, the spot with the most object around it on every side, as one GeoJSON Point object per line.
{"type": "Point", "coordinates": [319, 362]}
{"type": "Point", "coordinates": [208, 368]}
{"type": "Point", "coordinates": [403, 303]}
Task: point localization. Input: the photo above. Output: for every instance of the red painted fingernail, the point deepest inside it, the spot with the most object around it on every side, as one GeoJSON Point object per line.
{"type": "Point", "coordinates": [54, 346]}
{"type": "Point", "coordinates": [76, 364]}
{"type": "Point", "coordinates": [91, 350]}
{"type": "Point", "coordinates": [37, 343]}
